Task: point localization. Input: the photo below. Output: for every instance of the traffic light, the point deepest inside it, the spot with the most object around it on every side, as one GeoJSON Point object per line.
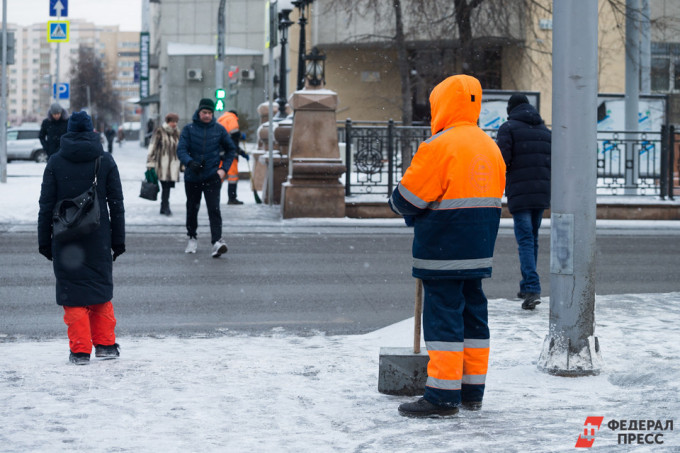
{"type": "Point", "coordinates": [220, 95]}
{"type": "Point", "coordinates": [233, 75]}
{"type": "Point", "coordinates": [11, 43]}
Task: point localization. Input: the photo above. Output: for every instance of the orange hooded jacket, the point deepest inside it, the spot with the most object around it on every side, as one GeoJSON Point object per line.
{"type": "Point", "coordinates": [453, 187]}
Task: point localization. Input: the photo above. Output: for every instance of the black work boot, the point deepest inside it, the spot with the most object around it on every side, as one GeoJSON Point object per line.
{"type": "Point", "coordinates": [107, 352]}
{"type": "Point", "coordinates": [531, 300]}
{"type": "Point", "coordinates": [423, 408]}
{"type": "Point", "coordinates": [79, 358]}
{"type": "Point", "coordinates": [231, 192]}
{"type": "Point", "coordinates": [471, 405]}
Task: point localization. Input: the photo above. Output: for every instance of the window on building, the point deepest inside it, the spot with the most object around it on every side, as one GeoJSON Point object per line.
{"type": "Point", "coordinates": [665, 70]}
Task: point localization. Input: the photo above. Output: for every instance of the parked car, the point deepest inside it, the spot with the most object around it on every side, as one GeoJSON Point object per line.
{"type": "Point", "coordinates": [23, 144]}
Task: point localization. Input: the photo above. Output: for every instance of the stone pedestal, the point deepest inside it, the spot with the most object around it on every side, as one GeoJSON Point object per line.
{"type": "Point", "coordinates": [280, 176]}
{"type": "Point", "coordinates": [313, 188]}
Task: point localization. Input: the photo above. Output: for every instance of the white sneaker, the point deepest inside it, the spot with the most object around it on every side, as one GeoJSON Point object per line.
{"type": "Point", "coordinates": [219, 248]}
{"type": "Point", "coordinates": [192, 245]}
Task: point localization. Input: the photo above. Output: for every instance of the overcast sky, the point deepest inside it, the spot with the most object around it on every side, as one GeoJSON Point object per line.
{"type": "Point", "coordinates": [125, 13]}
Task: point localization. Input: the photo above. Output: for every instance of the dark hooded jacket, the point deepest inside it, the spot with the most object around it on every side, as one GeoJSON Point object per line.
{"type": "Point", "coordinates": [207, 144]}
{"type": "Point", "coordinates": [83, 268]}
{"type": "Point", "coordinates": [51, 131]}
{"type": "Point", "coordinates": [525, 142]}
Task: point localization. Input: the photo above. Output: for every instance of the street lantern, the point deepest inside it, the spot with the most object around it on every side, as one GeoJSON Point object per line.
{"type": "Point", "coordinates": [302, 49]}
{"type": "Point", "coordinates": [315, 70]}
{"type": "Point", "coordinates": [284, 24]}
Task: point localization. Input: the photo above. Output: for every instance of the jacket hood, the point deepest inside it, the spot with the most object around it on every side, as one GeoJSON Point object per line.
{"type": "Point", "coordinates": [197, 119]}
{"type": "Point", "coordinates": [526, 113]}
{"type": "Point", "coordinates": [456, 100]}
{"type": "Point", "coordinates": [81, 146]}
{"type": "Point", "coordinates": [63, 117]}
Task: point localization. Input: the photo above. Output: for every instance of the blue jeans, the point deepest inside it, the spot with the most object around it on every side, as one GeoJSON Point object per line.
{"type": "Point", "coordinates": [527, 224]}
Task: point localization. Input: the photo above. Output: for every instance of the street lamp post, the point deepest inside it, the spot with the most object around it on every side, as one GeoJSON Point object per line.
{"type": "Point", "coordinates": [302, 5]}
{"type": "Point", "coordinates": [315, 71]}
{"type": "Point", "coordinates": [284, 23]}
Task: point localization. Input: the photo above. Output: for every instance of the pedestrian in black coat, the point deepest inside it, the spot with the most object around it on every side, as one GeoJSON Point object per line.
{"type": "Point", "coordinates": [83, 267]}
{"type": "Point", "coordinates": [52, 128]}
{"type": "Point", "coordinates": [525, 143]}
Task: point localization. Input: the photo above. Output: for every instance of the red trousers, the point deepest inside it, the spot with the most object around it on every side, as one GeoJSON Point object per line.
{"type": "Point", "coordinates": [92, 324]}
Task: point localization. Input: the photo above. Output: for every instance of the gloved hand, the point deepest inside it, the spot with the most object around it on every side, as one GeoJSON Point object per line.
{"type": "Point", "coordinates": [118, 249]}
{"type": "Point", "coordinates": [243, 135]}
{"type": "Point", "coordinates": [195, 166]}
{"type": "Point", "coordinates": [46, 251]}
{"type": "Point", "coordinates": [246, 155]}
{"type": "Point", "coordinates": [410, 220]}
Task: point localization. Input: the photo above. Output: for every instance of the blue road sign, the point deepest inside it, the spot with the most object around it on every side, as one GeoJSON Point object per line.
{"type": "Point", "coordinates": [64, 91]}
{"type": "Point", "coordinates": [58, 8]}
{"type": "Point", "coordinates": [57, 31]}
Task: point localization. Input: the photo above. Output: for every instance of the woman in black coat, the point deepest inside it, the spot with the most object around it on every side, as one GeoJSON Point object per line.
{"type": "Point", "coordinates": [83, 267]}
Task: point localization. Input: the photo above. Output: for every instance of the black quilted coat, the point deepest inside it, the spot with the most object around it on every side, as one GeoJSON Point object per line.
{"type": "Point", "coordinates": [525, 142]}
{"type": "Point", "coordinates": [83, 268]}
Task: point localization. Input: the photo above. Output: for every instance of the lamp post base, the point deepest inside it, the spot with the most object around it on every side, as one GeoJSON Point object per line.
{"type": "Point", "coordinates": [560, 357]}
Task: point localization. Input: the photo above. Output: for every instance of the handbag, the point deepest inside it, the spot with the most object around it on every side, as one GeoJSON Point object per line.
{"type": "Point", "coordinates": [149, 190]}
{"type": "Point", "coordinates": [75, 217]}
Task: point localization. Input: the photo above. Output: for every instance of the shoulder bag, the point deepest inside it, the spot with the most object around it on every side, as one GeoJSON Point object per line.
{"type": "Point", "coordinates": [75, 217]}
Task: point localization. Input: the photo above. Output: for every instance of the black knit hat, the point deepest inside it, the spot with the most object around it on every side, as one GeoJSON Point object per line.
{"type": "Point", "coordinates": [515, 100]}
{"type": "Point", "coordinates": [207, 104]}
{"type": "Point", "coordinates": [80, 122]}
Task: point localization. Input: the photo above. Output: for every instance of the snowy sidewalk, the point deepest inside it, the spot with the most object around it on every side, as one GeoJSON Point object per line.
{"type": "Point", "coordinates": [284, 393]}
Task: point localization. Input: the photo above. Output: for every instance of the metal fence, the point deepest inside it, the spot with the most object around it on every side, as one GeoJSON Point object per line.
{"type": "Point", "coordinates": [378, 153]}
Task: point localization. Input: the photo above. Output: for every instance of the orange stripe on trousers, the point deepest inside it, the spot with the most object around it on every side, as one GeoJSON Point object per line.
{"type": "Point", "coordinates": [445, 365]}
{"type": "Point", "coordinates": [476, 361]}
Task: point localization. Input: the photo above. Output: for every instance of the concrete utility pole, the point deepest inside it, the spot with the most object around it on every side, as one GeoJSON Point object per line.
{"type": "Point", "coordinates": [3, 96]}
{"type": "Point", "coordinates": [632, 95]}
{"type": "Point", "coordinates": [570, 348]}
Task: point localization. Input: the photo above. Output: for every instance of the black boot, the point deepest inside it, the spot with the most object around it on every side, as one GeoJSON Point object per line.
{"type": "Point", "coordinates": [79, 358]}
{"type": "Point", "coordinates": [165, 198]}
{"type": "Point", "coordinates": [531, 300]}
{"type": "Point", "coordinates": [231, 191]}
{"type": "Point", "coordinates": [107, 352]}
{"type": "Point", "coordinates": [423, 408]}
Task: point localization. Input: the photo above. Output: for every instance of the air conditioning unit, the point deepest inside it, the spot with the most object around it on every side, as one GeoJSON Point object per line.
{"type": "Point", "coordinates": [248, 74]}
{"type": "Point", "coordinates": [194, 74]}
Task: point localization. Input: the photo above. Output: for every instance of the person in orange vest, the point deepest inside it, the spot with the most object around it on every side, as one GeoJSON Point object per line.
{"type": "Point", "coordinates": [451, 194]}
{"type": "Point", "coordinates": [229, 120]}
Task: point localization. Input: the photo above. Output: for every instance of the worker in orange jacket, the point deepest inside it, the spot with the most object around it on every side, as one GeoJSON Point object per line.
{"type": "Point", "coordinates": [451, 194]}
{"type": "Point", "coordinates": [229, 120]}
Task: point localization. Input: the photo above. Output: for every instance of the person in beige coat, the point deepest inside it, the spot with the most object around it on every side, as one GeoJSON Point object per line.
{"type": "Point", "coordinates": [163, 159]}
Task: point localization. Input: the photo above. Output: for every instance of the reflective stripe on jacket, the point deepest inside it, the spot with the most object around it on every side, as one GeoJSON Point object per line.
{"type": "Point", "coordinates": [453, 188]}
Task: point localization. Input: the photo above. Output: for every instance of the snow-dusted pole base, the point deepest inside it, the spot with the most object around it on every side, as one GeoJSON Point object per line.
{"type": "Point", "coordinates": [560, 359]}
{"type": "Point", "coordinates": [571, 348]}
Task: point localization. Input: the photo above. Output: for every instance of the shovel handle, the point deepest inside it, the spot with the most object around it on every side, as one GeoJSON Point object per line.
{"type": "Point", "coordinates": [417, 316]}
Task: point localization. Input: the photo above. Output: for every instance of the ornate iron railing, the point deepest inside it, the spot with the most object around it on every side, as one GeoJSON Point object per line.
{"type": "Point", "coordinates": [378, 153]}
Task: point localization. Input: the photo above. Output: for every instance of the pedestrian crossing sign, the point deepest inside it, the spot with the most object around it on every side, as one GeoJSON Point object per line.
{"type": "Point", "coordinates": [57, 31]}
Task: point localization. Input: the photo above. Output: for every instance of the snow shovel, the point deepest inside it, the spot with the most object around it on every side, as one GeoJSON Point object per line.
{"type": "Point", "coordinates": [252, 185]}
{"type": "Point", "coordinates": [403, 371]}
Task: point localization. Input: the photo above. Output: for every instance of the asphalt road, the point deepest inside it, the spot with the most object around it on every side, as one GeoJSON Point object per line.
{"type": "Point", "coordinates": [301, 282]}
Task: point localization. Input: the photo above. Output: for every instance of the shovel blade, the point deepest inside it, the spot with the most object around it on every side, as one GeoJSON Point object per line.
{"type": "Point", "coordinates": [402, 372]}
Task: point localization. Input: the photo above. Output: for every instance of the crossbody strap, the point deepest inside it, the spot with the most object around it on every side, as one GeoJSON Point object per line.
{"type": "Point", "coordinates": [96, 170]}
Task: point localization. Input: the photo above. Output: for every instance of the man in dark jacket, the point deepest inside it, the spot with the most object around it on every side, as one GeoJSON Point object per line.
{"type": "Point", "coordinates": [525, 142]}
{"type": "Point", "coordinates": [206, 150]}
{"type": "Point", "coordinates": [52, 128]}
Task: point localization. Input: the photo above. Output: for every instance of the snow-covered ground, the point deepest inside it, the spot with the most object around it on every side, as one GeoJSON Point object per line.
{"type": "Point", "coordinates": [278, 392]}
